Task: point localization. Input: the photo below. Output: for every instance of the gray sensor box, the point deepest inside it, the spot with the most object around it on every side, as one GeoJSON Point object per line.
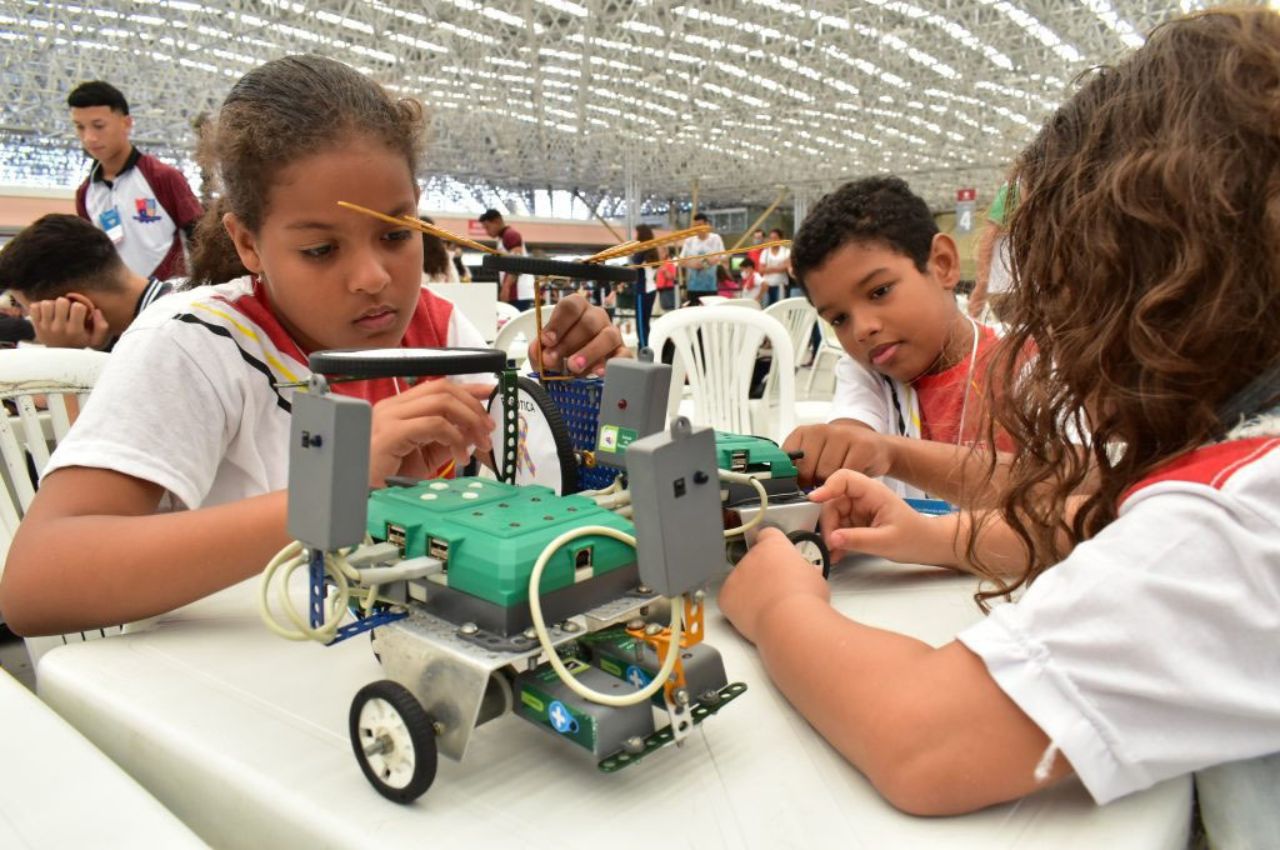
{"type": "Point", "coordinates": [329, 470]}
{"type": "Point", "coordinates": [634, 405]}
{"type": "Point", "coordinates": [675, 491]}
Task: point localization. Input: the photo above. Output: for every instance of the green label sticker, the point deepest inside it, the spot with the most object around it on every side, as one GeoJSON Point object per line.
{"type": "Point", "coordinates": [614, 439]}
{"type": "Point", "coordinates": [533, 702]}
{"type": "Point", "coordinates": [609, 667]}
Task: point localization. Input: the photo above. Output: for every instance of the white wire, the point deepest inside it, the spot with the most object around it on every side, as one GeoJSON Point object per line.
{"type": "Point", "coordinates": [544, 639]}
{"type": "Point", "coordinates": [614, 500]}
{"type": "Point", "coordinates": [741, 478]}
{"type": "Point", "coordinates": [290, 559]}
{"type": "Point", "coordinates": [612, 488]}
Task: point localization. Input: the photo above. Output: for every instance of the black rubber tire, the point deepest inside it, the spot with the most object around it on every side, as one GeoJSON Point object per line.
{"type": "Point", "coordinates": [540, 267]}
{"type": "Point", "coordinates": [555, 423]}
{"type": "Point", "coordinates": [422, 735]}
{"type": "Point", "coordinates": [798, 537]}
{"type": "Point", "coordinates": [400, 362]}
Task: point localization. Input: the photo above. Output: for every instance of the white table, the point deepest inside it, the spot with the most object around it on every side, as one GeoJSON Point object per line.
{"type": "Point", "coordinates": [243, 735]}
{"type": "Point", "coordinates": [58, 791]}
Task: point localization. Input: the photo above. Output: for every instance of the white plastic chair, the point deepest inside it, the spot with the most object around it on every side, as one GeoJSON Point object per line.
{"type": "Point", "coordinates": [713, 300]}
{"type": "Point", "coordinates": [514, 337]}
{"type": "Point", "coordinates": [745, 303]}
{"type": "Point", "coordinates": [506, 312]}
{"type": "Point", "coordinates": [829, 347]}
{"type": "Point", "coordinates": [58, 374]}
{"type": "Point", "coordinates": [798, 316]}
{"type": "Point", "coordinates": [716, 348]}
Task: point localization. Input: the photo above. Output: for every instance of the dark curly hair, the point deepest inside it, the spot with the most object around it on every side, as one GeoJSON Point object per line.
{"type": "Point", "coordinates": [1145, 252]}
{"type": "Point", "coordinates": [278, 113]}
{"type": "Point", "coordinates": [874, 209]}
{"type": "Point", "coordinates": [57, 254]}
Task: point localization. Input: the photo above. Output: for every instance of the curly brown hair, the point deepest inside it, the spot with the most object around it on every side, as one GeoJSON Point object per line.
{"type": "Point", "coordinates": [276, 114]}
{"type": "Point", "coordinates": [1145, 251]}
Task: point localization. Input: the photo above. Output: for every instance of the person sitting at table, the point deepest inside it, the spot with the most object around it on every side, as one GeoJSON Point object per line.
{"type": "Point", "coordinates": [193, 409]}
{"type": "Point", "coordinates": [68, 276]}
{"type": "Point", "coordinates": [1146, 648]}
{"type": "Point", "coordinates": [909, 389]}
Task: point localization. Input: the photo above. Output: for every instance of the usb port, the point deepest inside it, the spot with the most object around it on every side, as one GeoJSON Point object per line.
{"type": "Point", "coordinates": [738, 461]}
{"type": "Point", "coordinates": [438, 548]}
{"type": "Point", "coordinates": [396, 536]}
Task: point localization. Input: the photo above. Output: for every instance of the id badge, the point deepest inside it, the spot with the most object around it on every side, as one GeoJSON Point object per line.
{"type": "Point", "coordinates": [109, 221]}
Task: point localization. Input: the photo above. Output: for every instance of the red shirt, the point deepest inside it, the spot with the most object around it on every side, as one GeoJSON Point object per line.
{"type": "Point", "coordinates": [942, 400]}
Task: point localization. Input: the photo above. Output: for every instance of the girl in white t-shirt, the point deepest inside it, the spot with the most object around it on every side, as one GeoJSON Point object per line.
{"type": "Point", "coordinates": [1146, 258]}
{"type": "Point", "coordinates": [193, 408]}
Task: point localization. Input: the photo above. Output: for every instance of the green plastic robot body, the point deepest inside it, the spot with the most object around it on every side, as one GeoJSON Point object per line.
{"type": "Point", "coordinates": [753, 455]}
{"type": "Point", "coordinates": [488, 534]}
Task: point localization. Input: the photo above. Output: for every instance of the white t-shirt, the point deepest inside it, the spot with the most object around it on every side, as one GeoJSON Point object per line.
{"type": "Point", "coordinates": [772, 257]}
{"type": "Point", "coordinates": [188, 398]}
{"type": "Point", "coordinates": [999, 278]}
{"type": "Point", "coordinates": [1153, 650]}
{"type": "Point", "coordinates": [650, 280]}
{"type": "Point", "coordinates": [752, 283]}
{"type": "Point", "coordinates": [697, 245]}
{"type": "Point", "coordinates": [882, 404]}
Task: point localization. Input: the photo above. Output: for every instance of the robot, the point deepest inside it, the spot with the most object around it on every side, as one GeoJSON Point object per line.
{"type": "Point", "coordinates": [580, 613]}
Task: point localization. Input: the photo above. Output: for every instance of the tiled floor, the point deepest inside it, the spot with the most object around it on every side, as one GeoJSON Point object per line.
{"type": "Point", "coordinates": [13, 658]}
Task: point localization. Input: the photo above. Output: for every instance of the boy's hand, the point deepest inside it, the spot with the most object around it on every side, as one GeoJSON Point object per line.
{"type": "Point", "coordinates": [69, 323]}
{"type": "Point", "coordinates": [843, 444]}
{"type": "Point", "coordinates": [579, 338]}
{"type": "Point", "coordinates": [859, 514]}
{"type": "Point", "coordinates": [771, 574]}
{"type": "Point", "coordinates": [423, 428]}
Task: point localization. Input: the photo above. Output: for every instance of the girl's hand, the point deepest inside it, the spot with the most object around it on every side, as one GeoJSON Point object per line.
{"type": "Point", "coordinates": [579, 338]}
{"type": "Point", "coordinates": [771, 575]}
{"type": "Point", "coordinates": [423, 428]}
{"type": "Point", "coordinates": [859, 514]}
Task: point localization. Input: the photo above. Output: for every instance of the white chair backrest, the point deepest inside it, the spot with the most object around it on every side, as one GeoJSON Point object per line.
{"type": "Point", "coordinates": [716, 348]}
{"type": "Point", "coordinates": [58, 374]}
{"type": "Point", "coordinates": [747, 303]}
{"type": "Point", "coordinates": [514, 337]}
{"type": "Point", "coordinates": [798, 315]}
{"type": "Point", "coordinates": [713, 300]}
{"type": "Point", "coordinates": [506, 312]}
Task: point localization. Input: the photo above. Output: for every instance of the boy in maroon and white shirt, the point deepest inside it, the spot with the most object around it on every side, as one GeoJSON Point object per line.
{"type": "Point", "coordinates": [143, 204]}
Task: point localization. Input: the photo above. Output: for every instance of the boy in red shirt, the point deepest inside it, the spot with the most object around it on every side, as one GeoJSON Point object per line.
{"type": "Point", "coordinates": [909, 390]}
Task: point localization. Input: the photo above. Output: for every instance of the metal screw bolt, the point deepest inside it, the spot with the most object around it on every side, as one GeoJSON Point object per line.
{"type": "Point", "coordinates": [468, 629]}
{"type": "Point", "coordinates": [644, 588]}
{"type": "Point", "coordinates": [652, 629]}
{"type": "Point", "coordinates": [530, 633]}
{"type": "Point", "coordinates": [682, 697]}
{"type": "Point", "coordinates": [438, 728]}
{"type": "Point", "coordinates": [569, 626]}
{"type": "Point", "coordinates": [710, 697]}
{"type": "Point", "coordinates": [635, 624]}
{"type": "Point", "coordinates": [633, 745]}
{"type": "Point", "coordinates": [699, 595]}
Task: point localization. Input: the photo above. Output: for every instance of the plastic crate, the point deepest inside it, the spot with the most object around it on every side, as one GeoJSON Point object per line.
{"type": "Point", "coordinates": [579, 403]}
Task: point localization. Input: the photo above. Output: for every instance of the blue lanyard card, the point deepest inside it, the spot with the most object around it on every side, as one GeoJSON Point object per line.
{"type": "Point", "coordinates": [932, 507]}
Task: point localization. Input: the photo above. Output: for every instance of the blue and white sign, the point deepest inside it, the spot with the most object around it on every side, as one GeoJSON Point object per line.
{"type": "Point", "coordinates": [561, 719]}
{"type": "Point", "coordinates": [638, 677]}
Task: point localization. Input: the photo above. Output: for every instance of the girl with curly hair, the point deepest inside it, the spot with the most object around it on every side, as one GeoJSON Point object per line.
{"type": "Point", "coordinates": [1146, 258]}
